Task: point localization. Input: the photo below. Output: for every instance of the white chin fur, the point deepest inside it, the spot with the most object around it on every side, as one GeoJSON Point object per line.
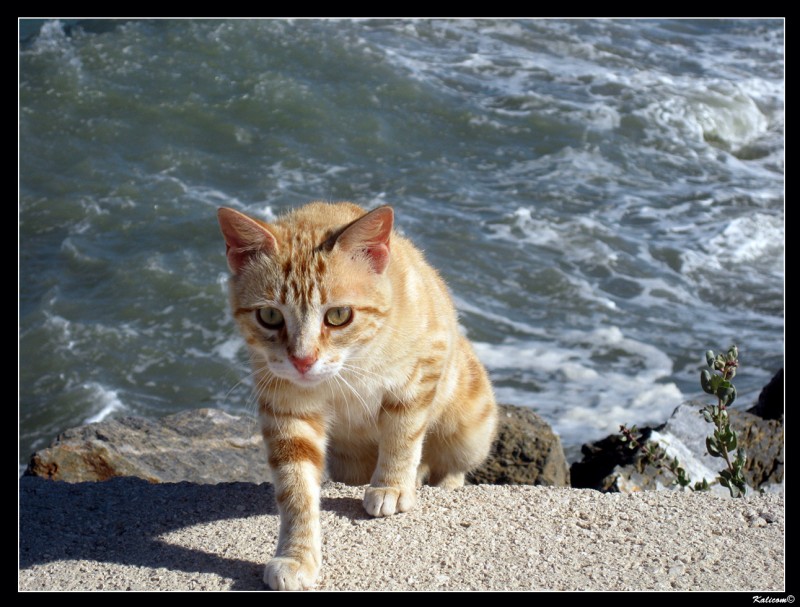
{"type": "Point", "coordinates": [312, 378]}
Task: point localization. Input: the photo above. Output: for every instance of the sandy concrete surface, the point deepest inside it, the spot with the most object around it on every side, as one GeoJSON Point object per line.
{"type": "Point", "coordinates": [127, 534]}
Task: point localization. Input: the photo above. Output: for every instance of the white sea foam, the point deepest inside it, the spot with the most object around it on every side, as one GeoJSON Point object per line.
{"type": "Point", "coordinates": [536, 231]}
{"type": "Point", "coordinates": [229, 349]}
{"type": "Point", "coordinates": [752, 238]}
{"type": "Point", "coordinates": [214, 197]}
{"type": "Point", "coordinates": [756, 240]}
{"type": "Point", "coordinates": [79, 337]}
{"type": "Point", "coordinates": [716, 111]}
{"type": "Point", "coordinates": [656, 290]}
{"type": "Point", "coordinates": [61, 329]}
{"type": "Point", "coordinates": [53, 38]}
{"type": "Point", "coordinates": [106, 399]}
{"type": "Point", "coordinates": [589, 293]}
{"type": "Point", "coordinates": [576, 240]}
{"type": "Point", "coordinates": [155, 263]}
{"type": "Point", "coordinates": [143, 363]}
{"type": "Point", "coordinates": [582, 397]}
{"type": "Point", "coordinates": [462, 305]}
{"type": "Point", "coordinates": [603, 117]}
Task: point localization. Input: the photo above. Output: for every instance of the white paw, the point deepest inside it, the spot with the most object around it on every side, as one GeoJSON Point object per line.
{"type": "Point", "coordinates": [284, 573]}
{"type": "Point", "coordinates": [385, 501]}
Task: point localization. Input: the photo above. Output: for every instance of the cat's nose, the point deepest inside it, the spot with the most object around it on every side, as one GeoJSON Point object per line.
{"type": "Point", "coordinates": [303, 364]}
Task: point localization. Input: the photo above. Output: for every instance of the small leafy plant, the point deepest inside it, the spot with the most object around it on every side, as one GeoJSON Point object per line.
{"type": "Point", "coordinates": [717, 381]}
{"type": "Point", "coordinates": [722, 443]}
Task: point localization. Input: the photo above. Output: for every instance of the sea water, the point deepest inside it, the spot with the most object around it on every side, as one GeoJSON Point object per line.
{"type": "Point", "coordinates": [605, 199]}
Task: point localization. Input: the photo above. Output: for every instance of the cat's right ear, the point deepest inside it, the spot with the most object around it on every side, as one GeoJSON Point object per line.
{"type": "Point", "coordinates": [244, 237]}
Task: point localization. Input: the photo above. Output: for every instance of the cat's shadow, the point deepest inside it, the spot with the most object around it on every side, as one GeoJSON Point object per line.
{"type": "Point", "coordinates": [125, 521]}
{"type": "Point", "coordinates": [350, 508]}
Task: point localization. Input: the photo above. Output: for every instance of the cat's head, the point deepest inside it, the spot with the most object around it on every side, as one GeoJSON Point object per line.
{"type": "Point", "coordinates": [310, 291]}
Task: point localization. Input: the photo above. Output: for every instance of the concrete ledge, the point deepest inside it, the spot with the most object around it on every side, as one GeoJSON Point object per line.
{"type": "Point", "coordinates": [126, 533]}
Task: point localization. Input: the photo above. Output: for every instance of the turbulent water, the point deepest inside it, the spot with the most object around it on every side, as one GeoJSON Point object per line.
{"type": "Point", "coordinates": [604, 198]}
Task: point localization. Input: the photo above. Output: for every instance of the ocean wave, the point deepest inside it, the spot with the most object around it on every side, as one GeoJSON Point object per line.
{"type": "Point", "coordinates": [544, 67]}
{"type": "Point", "coordinates": [585, 383]}
{"type": "Point", "coordinates": [752, 243]}
{"type": "Point", "coordinates": [594, 191]}
{"type": "Point", "coordinates": [719, 113]}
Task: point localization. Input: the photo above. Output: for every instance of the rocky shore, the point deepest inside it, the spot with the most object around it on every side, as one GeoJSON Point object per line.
{"type": "Point", "coordinates": [610, 465]}
{"type": "Point", "coordinates": [211, 446]}
{"type": "Point", "coordinates": [184, 504]}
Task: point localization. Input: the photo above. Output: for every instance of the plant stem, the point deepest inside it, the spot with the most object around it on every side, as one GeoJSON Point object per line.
{"type": "Point", "coordinates": [720, 421]}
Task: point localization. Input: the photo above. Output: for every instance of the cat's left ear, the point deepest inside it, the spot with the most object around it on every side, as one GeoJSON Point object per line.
{"type": "Point", "coordinates": [370, 235]}
{"type": "Point", "coordinates": [244, 237]}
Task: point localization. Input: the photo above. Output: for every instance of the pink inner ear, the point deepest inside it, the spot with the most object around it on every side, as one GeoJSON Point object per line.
{"type": "Point", "coordinates": [370, 235]}
{"type": "Point", "coordinates": [244, 237]}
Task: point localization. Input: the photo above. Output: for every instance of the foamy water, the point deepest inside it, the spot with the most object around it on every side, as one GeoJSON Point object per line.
{"type": "Point", "coordinates": [604, 198]}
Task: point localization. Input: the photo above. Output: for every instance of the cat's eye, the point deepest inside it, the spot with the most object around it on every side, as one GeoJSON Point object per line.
{"type": "Point", "coordinates": [338, 317]}
{"type": "Point", "coordinates": [271, 318]}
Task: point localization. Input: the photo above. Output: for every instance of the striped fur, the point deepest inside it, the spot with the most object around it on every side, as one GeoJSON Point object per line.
{"type": "Point", "coordinates": [391, 398]}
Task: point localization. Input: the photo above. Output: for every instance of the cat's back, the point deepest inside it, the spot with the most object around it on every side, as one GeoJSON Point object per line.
{"type": "Point", "coordinates": [322, 215]}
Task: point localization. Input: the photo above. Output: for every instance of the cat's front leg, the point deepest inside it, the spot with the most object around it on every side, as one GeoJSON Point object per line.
{"type": "Point", "coordinates": [296, 448]}
{"type": "Point", "coordinates": [393, 485]}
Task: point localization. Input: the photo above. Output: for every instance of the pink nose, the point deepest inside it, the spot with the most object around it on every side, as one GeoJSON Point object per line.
{"type": "Point", "coordinates": [302, 364]}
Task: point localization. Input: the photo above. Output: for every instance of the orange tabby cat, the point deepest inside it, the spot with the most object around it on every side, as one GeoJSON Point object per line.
{"type": "Point", "coordinates": [360, 368]}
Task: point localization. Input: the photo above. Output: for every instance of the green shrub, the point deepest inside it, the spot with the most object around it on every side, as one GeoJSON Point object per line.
{"type": "Point", "coordinates": [715, 380]}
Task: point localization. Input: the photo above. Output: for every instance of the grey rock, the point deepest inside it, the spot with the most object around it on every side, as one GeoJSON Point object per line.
{"type": "Point", "coordinates": [211, 446]}
{"type": "Point", "coordinates": [763, 441]}
{"type": "Point", "coordinates": [602, 461]}
{"type": "Point", "coordinates": [527, 452]}
{"type": "Point", "coordinates": [683, 437]}
{"type": "Point", "coordinates": [200, 446]}
{"type": "Point", "coordinates": [609, 465]}
{"type": "Point", "coordinates": [770, 403]}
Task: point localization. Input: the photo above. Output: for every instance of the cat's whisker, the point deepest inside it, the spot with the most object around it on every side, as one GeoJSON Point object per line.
{"type": "Point", "coordinates": [268, 394]}
{"type": "Point", "coordinates": [245, 374]}
{"type": "Point", "coordinates": [262, 382]}
{"type": "Point", "coordinates": [337, 382]}
{"type": "Point", "coordinates": [367, 374]}
{"type": "Point", "coordinates": [345, 400]}
{"type": "Point", "coordinates": [359, 398]}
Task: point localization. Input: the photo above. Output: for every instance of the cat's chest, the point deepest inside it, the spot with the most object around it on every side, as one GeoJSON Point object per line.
{"type": "Point", "coordinates": [355, 408]}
